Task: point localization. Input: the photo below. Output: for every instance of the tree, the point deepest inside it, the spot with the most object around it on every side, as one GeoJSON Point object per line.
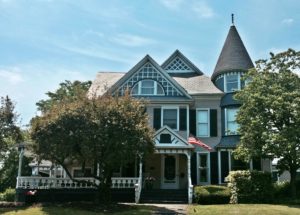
{"type": "Point", "coordinates": [68, 91]}
{"type": "Point", "coordinates": [104, 132]}
{"type": "Point", "coordinates": [269, 118]}
{"type": "Point", "coordinates": [10, 133]}
{"type": "Point", "coordinates": [9, 170]}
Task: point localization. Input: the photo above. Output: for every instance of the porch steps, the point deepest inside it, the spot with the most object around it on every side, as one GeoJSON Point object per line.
{"type": "Point", "coordinates": [164, 196]}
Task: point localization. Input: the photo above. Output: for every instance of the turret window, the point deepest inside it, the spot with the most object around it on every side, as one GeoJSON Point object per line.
{"type": "Point", "coordinates": [232, 82]}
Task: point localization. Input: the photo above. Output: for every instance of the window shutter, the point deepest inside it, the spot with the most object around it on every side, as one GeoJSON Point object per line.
{"type": "Point", "coordinates": [194, 169]}
{"type": "Point", "coordinates": [156, 118]}
{"type": "Point", "coordinates": [214, 172]}
{"type": "Point", "coordinates": [182, 119]}
{"type": "Point", "coordinates": [193, 122]}
{"type": "Point", "coordinates": [213, 123]}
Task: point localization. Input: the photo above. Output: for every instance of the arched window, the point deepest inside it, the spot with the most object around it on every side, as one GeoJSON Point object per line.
{"type": "Point", "coordinates": [147, 87]}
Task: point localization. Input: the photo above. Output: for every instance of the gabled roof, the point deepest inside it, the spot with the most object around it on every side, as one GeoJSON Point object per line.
{"type": "Point", "coordinates": [147, 59]}
{"type": "Point", "coordinates": [178, 142]}
{"type": "Point", "coordinates": [192, 71]}
{"type": "Point", "coordinates": [234, 55]}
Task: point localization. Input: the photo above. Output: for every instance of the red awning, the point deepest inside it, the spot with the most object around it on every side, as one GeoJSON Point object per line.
{"type": "Point", "coordinates": [197, 142]}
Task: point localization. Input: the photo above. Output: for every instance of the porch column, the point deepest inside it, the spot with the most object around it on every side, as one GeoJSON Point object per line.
{"type": "Point", "coordinates": [21, 149]}
{"type": "Point", "coordinates": [219, 166]}
{"type": "Point", "coordinates": [141, 169]}
{"type": "Point", "coordinates": [190, 186]}
{"type": "Point", "coordinates": [138, 186]}
{"type": "Point", "coordinates": [229, 160]}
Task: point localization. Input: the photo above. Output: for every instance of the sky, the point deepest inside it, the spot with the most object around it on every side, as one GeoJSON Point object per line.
{"type": "Point", "coordinates": [44, 42]}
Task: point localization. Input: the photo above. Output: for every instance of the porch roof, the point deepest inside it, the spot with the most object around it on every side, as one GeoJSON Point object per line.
{"type": "Point", "coordinates": [177, 141]}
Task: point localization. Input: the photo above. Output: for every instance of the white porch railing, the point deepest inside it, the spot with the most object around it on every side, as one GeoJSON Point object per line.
{"type": "Point", "coordinates": [32, 182]}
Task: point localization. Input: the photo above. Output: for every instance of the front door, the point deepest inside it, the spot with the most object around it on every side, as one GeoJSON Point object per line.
{"type": "Point", "coordinates": [169, 171]}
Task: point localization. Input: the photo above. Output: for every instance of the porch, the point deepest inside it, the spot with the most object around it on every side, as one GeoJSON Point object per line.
{"type": "Point", "coordinates": [169, 168]}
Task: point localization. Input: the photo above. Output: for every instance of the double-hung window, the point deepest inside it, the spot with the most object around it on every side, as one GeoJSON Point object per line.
{"type": "Point", "coordinates": [231, 123]}
{"type": "Point", "coordinates": [203, 123]}
{"type": "Point", "coordinates": [170, 117]}
{"type": "Point", "coordinates": [147, 87]}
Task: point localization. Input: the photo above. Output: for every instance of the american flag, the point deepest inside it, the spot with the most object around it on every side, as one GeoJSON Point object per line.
{"type": "Point", "coordinates": [195, 141]}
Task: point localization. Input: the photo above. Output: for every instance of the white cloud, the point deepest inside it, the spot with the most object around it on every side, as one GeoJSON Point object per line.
{"type": "Point", "coordinates": [172, 4]}
{"type": "Point", "coordinates": [132, 40]}
{"type": "Point", "coordinates": [12, 76]}
{"type": "Point", "coordinates": [203, 10]}
{"type": "Point", "coordinates": [287, 21]}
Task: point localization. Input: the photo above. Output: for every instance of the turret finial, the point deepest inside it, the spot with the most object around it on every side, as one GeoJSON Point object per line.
{"type": "Point", "coordinates": [232, 19]}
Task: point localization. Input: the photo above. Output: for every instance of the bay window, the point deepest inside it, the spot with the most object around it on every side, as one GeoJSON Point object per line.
{"type": "Point", "coordinates": [231, 125]}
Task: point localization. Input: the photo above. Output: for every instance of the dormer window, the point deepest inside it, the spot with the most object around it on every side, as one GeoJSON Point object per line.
{"type": "Point", "coordinates": [147, 87]}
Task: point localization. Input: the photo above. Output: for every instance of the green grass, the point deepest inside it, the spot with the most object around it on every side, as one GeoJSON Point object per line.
{"type": "Point", "coordinates": [77, 210]}
{"type": "Point", "coordinates": [244, 209]}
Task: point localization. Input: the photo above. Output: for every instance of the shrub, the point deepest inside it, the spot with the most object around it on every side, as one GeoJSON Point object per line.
{"type": "Point", "coordinates": [211, 194]}
{"type": "Point", "coordinates": [282, 189]}
{"type": "Point", "coordinates": [8, 195]}
{"type": "Point", "coordinates": [250, 187]}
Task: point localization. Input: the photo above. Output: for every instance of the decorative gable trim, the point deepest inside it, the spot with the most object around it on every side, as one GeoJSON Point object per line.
{"type": "Point", "coordinates": [178, 63]}
{"type": "Point", "coordinates": [176, 140]}
{"type": "Point", "coordinates": [147, 68]}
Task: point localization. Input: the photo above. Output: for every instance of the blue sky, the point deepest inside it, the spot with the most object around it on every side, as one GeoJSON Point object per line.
{"type": "Point", "coordinates": [44, 42]}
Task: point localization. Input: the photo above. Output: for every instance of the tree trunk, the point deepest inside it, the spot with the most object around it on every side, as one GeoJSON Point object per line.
{"type": "Point", "coordinates": [293, 173]}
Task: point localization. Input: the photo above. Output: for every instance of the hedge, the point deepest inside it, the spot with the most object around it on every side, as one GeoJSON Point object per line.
{"type": "Point", "coordinates": [8, 195]}
{"type": "Point", "coordinates": [211, 194]}
{"type": "Point", "coordinates": [250, 187]}
{"type": "Point", "coordinates": [282, 189]}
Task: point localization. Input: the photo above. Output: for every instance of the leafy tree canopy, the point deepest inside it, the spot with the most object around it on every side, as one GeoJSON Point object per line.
{"type": "Point", "coordinates": [68, 91]}
{"type": "Point", "coordinates": [103, 132]}
{"type": "Point", "coordinates": [269, 118]}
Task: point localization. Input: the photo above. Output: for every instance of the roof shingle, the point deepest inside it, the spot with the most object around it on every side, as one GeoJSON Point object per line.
{"type": "Point", "coordinates": [234, 55]}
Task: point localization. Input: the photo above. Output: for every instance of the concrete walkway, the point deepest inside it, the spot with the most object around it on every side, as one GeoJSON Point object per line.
{"type": "Point", "coordinates": [168, 209]}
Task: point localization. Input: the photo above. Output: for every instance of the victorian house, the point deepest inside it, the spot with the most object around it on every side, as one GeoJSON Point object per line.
{"type": "Point", "coordinates": [194, 120]}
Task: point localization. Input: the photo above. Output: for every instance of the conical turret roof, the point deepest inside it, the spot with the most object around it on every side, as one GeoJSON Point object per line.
{"type": "Point", "coordinates": [234, 55]}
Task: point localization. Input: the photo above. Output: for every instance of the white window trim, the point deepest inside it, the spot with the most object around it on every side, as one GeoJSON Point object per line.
{"type": "Point", "coordinates": [225, 81]}
{"type": "Point", "coordinates": [226, 130]}
{"type": "Point", "coordinates": [208, 123]}
{"type": "Point", "coordinates": [198, 168]}
{"type": "Point", "coordinates": [139, 83]}
{"type": "Point", "coordinates": [168, 108]}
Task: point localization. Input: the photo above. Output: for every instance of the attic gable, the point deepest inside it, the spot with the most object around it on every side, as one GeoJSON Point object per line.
{"type": "Point", "coordinates": [177, 63]}
{"type": "Point", "coordinates": [148, 69]}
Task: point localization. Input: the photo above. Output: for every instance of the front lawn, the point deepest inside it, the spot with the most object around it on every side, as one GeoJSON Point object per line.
{"type": "Point", "coordinates": [74, 209]}
{"type": "Point", "coordinates": [244, 209]}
